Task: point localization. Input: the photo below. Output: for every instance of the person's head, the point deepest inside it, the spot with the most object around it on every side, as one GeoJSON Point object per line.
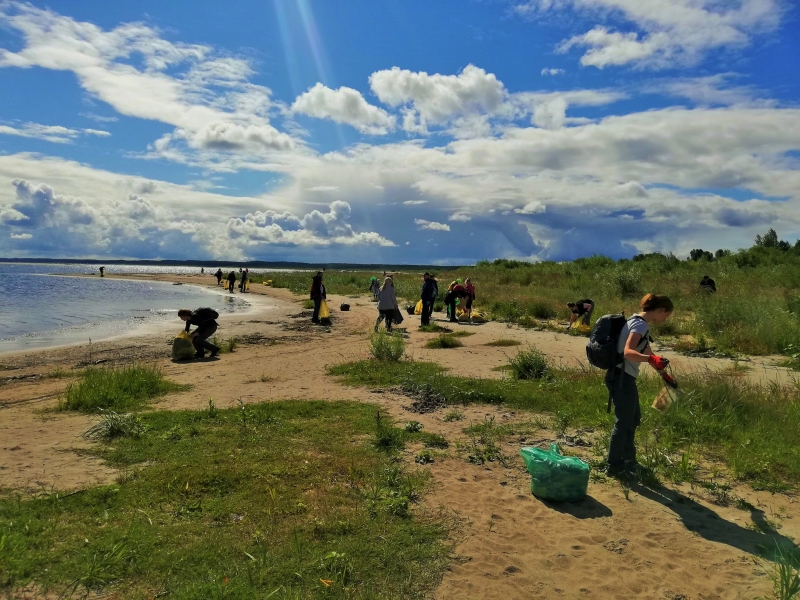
{"type": "Point", "coordinates": [657, 306]}
{"type": "Point", "coordinates": [319, 274]}
{"type": "Point", "coordinates": [185, 314]}
{"type": "Point", "coordinates": [706, 277]}
{"type": "Point", "coordinates": [388, 281]}
{"type": "Point", "coordinates": [426, 276]}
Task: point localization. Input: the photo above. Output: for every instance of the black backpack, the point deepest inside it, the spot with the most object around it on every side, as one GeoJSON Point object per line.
{"type": "Point", "coordinates": [206, 314]}
{"type": "Point", "coordinates": [602, 347]}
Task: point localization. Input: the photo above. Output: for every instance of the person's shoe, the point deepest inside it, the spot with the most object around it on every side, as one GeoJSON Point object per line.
{"type": "Point", "coordinates": [199, 356]}
{"type": "Point", "coordinates": [315, 321]}
{"type": "Point", "coordinates": [214, 353]}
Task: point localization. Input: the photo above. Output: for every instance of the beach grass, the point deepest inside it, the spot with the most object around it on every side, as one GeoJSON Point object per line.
{"type": "Point", "coordinates": [123, 388]}
{"type": "Point", "coordinates": [751, 428]}
{"type": "Point", "coordinates": [278, 500]}
{"type": "Point", "coordinates": [444, 341]}
{"type": "Point", "coordinates": [503, 343]}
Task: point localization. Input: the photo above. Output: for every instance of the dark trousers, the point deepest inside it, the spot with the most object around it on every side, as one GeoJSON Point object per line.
{"type": "Point", "coordinates": [200, 340]}
{"type": "Point", "coordinates": [427, 311]}
{"type": "Point", "coordinates": [450, 300]}
{"type": "Point", "coordinates": [219, 279]}
{"type": "Point", "coordinates": [385, 314]}
{"type": "Point", "coordinates": [230, 285]}
{"type": "Point", "coordinates": [317, 306]}
{"type": "Point", "coordinates": [628, 413]}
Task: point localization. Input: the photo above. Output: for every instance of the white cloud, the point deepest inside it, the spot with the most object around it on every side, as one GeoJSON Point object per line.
{"type": "Point", "coordinates": [713, 90]}
{"type": "Point", "coordinates": [431, 225]}
{"type": "Point", "coordinates": [670, 32]}
{"type": "Point", "coordinates": [21, 236]}
{"type": "Point", "coordinates": [415, 202]}
{"type": "Point", "coordinates": [549, 109]}
{"type": "Point", "coordinates": [552, 72]}
{"type": "Point", "coordinates": [344, 105]}
{"type": "Point", "coordinates": [49, 133]}
{"type": "Point", "coordinates": [438, 98]}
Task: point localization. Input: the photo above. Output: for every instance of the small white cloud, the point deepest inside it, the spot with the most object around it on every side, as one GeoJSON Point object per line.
{"type": "Point", "coordinates": [21, 236]}
{"type": "Point", "coordinates": [97, 132]}
{"type": "Point", "coordinates": [546, 72]}
{"type": "Point", "coordinates": [460, 216]}
{"type": "Point", "coordinates": [344, 105]}
{"type": "Point", "coordinates": [531, 208]}
{"type": "Point", "coordinates": [431, 225]}
{"type": "Point", "coordinates": [323, 188]}
{"type": "Point", "coordinates": [414, 202]}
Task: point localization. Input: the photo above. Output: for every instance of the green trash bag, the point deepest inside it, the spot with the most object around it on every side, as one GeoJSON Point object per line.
{"type": "Point", "coordinates": [182, 347]}
{"type": "Point", "coordinates": [554, 476]}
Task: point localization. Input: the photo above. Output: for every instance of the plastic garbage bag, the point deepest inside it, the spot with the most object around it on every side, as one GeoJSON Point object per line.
{"type": "Point", "coordinates": [182, 347]}
{"type": "Point", "coordinates": [418, 308]}
{"type": "Point", "coordinates": [554, 476]}
{"type": "Point", "coordinates": [324, 311]}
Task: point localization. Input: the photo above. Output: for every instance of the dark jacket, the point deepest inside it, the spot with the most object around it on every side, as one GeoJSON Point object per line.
{"type": "Point", "coordinates": [579, 309]}
{"type": "Point", "coordinates": [317, 289]}
{"type": "Point", "coordinates": [429, 291]}
{"type": "Point", "coordinates": [232, 276]}
{"type": "Point", "coordinates": [202, 316]}
{"type": "Point", "coordinates": [709, 284]}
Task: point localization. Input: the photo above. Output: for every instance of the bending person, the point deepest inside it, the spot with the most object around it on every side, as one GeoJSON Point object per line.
{"type": "Point", "coordinates": [205, 319]}
{"type": "Point", "coordinates": [387, 304]}
{"type": "Point", "coordinates": [581, 308]}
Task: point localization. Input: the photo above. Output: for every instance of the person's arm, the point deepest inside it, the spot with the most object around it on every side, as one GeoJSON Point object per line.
{"type": "Point", "coordinates": [188, 325]}
{"type": "Point", "coordinates": [631, 353]}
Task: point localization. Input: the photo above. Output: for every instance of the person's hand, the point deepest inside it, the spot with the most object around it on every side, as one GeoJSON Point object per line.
{"type": "Point", "coordinates": [659, 363]}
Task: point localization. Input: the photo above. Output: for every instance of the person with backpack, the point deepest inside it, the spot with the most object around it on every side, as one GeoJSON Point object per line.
{"type": "Point", "coordinates": [205, 319]}
{"type": "Point", "coordinates": [633, 349]}
{"type": "Point", "coordinates": [218, 275]}
{"type": "Point", "coordinates": [581, 308]}
{"type": "Point", "coordinates": [231, 281]}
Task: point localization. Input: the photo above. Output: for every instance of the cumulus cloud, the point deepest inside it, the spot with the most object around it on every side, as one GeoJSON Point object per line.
{"type": "Point", "coordinates": [712, 90]}
{"type": "Point", "coordinates": [20, 236]}
{"type": "Point", "coordinates": [49, 133]}
{"type": "Point", "coordinates": [668, 32]}
{"type": "Point", "coordinates": [344, 105]}
{"type": "Point", "coordinates": [552, 72]}
{"type": "Point", "coordinates": [431, 225]}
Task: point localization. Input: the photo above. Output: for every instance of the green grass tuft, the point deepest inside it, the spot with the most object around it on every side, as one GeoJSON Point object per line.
{"type": "Point", "coordinates": [530, 364]}
{"type": "Point", "coordinates": [445, 340]}
{"type": "Point", "coordinates": [123, 388]}
{"type": "Point", "coordinates": [503, 343]}
{"type": "Point", "coordinates": [386, 347]}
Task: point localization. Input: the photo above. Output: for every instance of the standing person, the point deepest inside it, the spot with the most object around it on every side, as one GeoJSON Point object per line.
{"type": "Point", "coordinates": [582, 308]}
{"type": "Point", "coordinates": [471, 297]}
{"type": "Point", "coordinates": [633, 348]}
{"type": "Point", "coordinates": [374, 287]}
{"type": "Point", "coordinates": [102, 271]}
{"type": "Point", "coordinates": [245, 278]}
{"type": "Point", "coordinates": [708, 285]}
{"type": "Point", "coordinates": [205, 319]}
{"type": "Point", "coordinates": [428, 297]}
{"type": "Point", "coordinates": [202, 270]}
{"type": "Point", "coordinates": [387, 304]}
{"type": "Point", "coordinates": [435, 295]}
{"type": "Point", "coordinates": [317, 295]}
{"type": "Point", "coordinates": [455, 290]}
{"type": "Point", "coordinates": [218, 275]}
{"type": "Point", "coordinates": [231, 281]}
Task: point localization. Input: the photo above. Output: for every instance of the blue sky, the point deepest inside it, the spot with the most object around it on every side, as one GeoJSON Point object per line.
{"type": "Point", "coordinates": [397, 132]}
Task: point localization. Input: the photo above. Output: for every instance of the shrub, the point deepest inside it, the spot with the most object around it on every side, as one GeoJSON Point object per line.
{"type": "Point", "coordinates": [387, 347]}
{"type": "Point", "coordinates": [530, 364]}
{"type": "Point", "coordinates": [504, 343]}
{"type": "Point", "coordinates": [117, 388]}
{"type": "Point", "coordinates": [113, 425]}
{"type": "Point", "coordinates": [540, 310]}
{"type": "Point", "coordinates": [628, 283]}
{"type": "Point", "coordinates": [445, 340]}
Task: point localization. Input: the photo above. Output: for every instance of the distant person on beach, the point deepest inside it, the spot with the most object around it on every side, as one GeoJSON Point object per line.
{"type": "Point", "coordinates": [455, 291]}
{"type": "Point", "coordinates": [708, 285]}
{"type": "Point", "coordinates": [317, 295]}
{"type": "Point", "coordinates": [374, 287]}
{"type": "Point", "coordinates": [231, 280]}
{"type": "Point", "coordinates": [387, 304]}
{"type": "Point", "coordinates": [582, 308]}
{"type": "Point", "coordinates": [634, 349]}
{"type": "Point", "coordinates": [428, 297]}
{"type": "Point", "coordinates": [202, 271]}
{"type": "Point", "coordinates": [471, 297]}
{"type": "Point", "coordinates": [218, 275]}
{"type": "Point", "coordinates": [205, 319]}
{"type": "Point", "coordinates": [102, 271]}
{"type": "Point", "coordinates": [245, 277]}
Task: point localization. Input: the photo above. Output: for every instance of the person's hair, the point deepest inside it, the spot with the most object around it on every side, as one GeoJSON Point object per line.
{"type": "Point", "coordinates": [184, 312]}
{"type": "Point", "coordinates": [387, 280]}
{"type": "Point", "coordinates": [571, 304]}
{"type": "Point", "coordinates": [706, 277]}
{"type": "Point", "coordinates": [426, 275]}
{"type": "Point", "coordinates": [656, 301]}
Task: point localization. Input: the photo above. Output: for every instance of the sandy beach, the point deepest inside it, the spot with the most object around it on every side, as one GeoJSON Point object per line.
{"type": "Point", "coordinates": [678, 545]}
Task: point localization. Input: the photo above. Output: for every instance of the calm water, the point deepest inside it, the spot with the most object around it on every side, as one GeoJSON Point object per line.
{"type": "Point", "coordinates": [38, 309]}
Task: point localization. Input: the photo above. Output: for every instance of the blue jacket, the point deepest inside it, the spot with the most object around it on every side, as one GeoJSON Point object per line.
{"type": "Point", "coordinates": [429, 290]}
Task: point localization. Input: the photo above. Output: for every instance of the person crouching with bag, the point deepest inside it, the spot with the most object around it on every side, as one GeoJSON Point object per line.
{"type": "Point", "coordinates": [205, 319]}
{"type": "Point", "coordinates": [633, 349]}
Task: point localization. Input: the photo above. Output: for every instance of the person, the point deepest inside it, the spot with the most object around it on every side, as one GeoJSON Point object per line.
{"type": "Point", "coordinates": [218, 275]}
{"type": "Point", "coordinates": [374, 287]}
{"type": "Point", "coordinates": [205, 319]}
{"type": "Point", "coordinates": [245, 277]}
{"type": "Point", "coordinates": [317, 295]}
{"type": "Point", "coordinates": [387, 304]}
{"type": "Point", "coordinates": [708, 285]}
{"type": "Point", "coordinates": [633, 349]}
{"type": "Point", "coordinates": [202, 270]}
{"type": "Point", "coordinates": [102, 271]}
{"type": "Point", "coordinates": [428, 297]}
{"type": "Point", "coordinates": [582, 308]}
{"type": "Point", "coordinates": [455, 290]}
{"type": "Point", "coordinates": [471, 297]}
{"type": "Point", "coordinates": [231, 281]}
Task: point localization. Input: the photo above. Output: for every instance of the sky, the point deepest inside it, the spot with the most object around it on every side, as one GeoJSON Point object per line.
{"type": "Point", "coordinates": [396, 131]}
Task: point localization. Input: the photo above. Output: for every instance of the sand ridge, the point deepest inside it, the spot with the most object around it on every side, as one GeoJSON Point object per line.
{"type": "Point", "coordinates": [669, 545]}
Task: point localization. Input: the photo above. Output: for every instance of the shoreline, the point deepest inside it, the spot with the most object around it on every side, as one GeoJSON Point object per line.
{"type": "Point", "coordinates": [149, 326]}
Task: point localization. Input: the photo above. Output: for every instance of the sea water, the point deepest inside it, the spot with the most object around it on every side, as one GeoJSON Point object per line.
{"type": "Point", "coordinates": [41, 306]}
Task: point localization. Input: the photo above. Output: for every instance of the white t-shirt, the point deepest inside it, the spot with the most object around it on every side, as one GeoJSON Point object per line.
{"type": "Point", "coordinates": [636, 324]}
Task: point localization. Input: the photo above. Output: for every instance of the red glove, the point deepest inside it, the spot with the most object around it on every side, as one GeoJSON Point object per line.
{"type": "Point", "coordinates": [659, 363]}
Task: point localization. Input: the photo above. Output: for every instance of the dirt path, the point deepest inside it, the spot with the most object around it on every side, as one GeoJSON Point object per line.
{"type": "Point", "coordinates": [511, 545]}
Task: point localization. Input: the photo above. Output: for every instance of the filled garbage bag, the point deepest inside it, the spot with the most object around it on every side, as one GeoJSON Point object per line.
{"type": "Point", "coordinates": [418, 308]}
{"type": "Point", "coordinates": [324, 311]}
{"type": "Point", "coordinates": [554, 476]}
{"type": "Point", "coordinates": [182, 347]}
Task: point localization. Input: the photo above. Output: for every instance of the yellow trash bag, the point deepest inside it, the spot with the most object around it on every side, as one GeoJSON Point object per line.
{"type": "Point", "coordinates": [324, 312]}
{"type": "Point", "coordinates": [182, 347]}
{"type": "Point", "coordinates": [418, 308]}
{"type": "Point", "coordinates": [247, 286]}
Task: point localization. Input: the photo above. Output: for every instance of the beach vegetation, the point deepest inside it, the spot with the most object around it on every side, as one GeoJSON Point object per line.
{"type": "Point", "coordinates": [387, 347]}
{"type": "Point", "coordinates": [444, 341]}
